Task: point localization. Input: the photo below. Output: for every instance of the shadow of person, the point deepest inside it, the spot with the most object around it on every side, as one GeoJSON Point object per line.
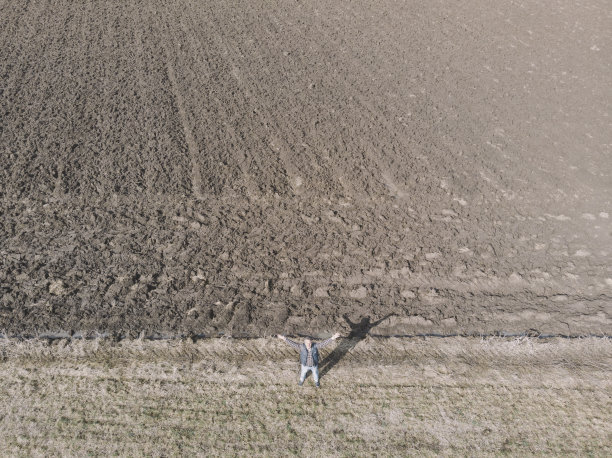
{"type": "Point", "coordinates": [359, 331]}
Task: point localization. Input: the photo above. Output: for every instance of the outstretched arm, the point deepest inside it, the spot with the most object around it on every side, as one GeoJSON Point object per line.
{"type": "Point", "coordinates": [328, 341]}
{"type": "Point", "coordinates": [290, 342]}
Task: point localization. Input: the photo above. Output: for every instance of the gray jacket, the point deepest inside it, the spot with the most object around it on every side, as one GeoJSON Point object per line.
{"type": "Point", "coordinates": [314, 351]}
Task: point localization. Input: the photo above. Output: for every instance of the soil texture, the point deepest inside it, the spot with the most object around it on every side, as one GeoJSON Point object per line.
{"type": "Point", "coordinates": [256, 167]}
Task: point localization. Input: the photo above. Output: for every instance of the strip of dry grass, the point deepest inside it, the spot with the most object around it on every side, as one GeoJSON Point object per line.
{"type": "Point", "coordinates": [384, 397]}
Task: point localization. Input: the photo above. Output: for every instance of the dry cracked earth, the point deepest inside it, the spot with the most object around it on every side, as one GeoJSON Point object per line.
{"type": "Point", "coordinates": [253, 167]}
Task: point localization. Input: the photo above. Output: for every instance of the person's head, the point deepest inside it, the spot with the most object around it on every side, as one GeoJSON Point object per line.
{"type": "Point", "coordinates": [308, 342]}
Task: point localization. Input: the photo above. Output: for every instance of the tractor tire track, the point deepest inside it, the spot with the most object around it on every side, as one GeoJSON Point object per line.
{"type": "Point", "coordinates": [192, 146]}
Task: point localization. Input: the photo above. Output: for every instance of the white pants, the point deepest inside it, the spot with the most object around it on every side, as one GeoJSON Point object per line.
{"type": "Point", "coordinates": [306, 369]}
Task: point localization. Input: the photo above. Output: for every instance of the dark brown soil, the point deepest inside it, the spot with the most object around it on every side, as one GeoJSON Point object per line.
{"type": "Point", "coordinates": [256, 167]}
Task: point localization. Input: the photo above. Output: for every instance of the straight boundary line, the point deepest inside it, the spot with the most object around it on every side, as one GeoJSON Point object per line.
{"type": "Point", "coordinates": [159, 336]}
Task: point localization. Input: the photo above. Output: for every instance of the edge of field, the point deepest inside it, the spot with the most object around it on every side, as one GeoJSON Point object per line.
{"type": "Point", "coordinates": [391, 396]}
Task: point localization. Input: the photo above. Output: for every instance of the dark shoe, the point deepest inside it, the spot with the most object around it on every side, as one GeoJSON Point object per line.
{"type": "Point", "coordinates": [317, 385]}
{"type": "Point", "coordinates": [300, 383]}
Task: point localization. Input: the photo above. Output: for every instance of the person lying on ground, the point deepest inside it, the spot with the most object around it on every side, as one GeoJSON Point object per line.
{"type": "Point", "coordinates": [309, 356]}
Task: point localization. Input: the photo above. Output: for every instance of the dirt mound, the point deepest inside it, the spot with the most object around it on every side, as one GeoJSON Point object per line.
{"type": "Point", "coordinates": [254, 168]}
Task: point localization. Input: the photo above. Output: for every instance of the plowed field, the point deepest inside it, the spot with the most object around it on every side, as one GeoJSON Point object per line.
{"type": "Point", "coordinates": [254, 167]}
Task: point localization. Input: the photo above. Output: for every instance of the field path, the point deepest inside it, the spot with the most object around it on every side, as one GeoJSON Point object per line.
{"type": "Point", "coordinates": [385, 397]}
